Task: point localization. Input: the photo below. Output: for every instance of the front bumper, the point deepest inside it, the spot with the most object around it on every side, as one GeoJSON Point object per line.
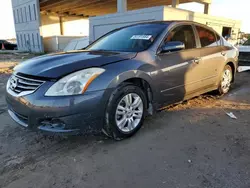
{"type": "Point", "coordinates": [65, 115]}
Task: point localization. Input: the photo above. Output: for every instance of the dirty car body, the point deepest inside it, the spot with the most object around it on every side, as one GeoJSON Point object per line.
{"type": "Point", "coordinates": [166, 64]}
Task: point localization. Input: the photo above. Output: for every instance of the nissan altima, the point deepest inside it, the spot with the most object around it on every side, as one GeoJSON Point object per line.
{"type": "Point", "coordinates": [119, 79]}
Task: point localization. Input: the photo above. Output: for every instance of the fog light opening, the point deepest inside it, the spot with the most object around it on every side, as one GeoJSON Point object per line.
{"type": "Point", "coordinates": [53, 124]}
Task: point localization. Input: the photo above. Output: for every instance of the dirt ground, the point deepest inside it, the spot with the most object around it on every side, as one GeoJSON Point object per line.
{"type": "Point", "coordinates": [190, 145]}
{"type": "Point", "coordinates": [8, 60]}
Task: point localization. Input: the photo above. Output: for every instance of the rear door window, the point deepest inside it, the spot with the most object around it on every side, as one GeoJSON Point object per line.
{"type": "Point", "coordinates": [184, 34]}
{"type": "Point", "coordinates": [207, 37]}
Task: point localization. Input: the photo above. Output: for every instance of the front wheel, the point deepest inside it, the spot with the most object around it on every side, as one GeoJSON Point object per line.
{"type": "Point", "coordinates": [226, 80]}
{"type": "Point", "coordinates": [125, 112]}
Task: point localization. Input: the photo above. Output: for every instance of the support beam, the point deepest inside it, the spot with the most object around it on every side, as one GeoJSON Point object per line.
{"type": "Point", "coordinates": [122, 6]}
{"type": "Point", "coordinates": [206, 8]}
{"type": "Point", "coordinates": [175, 3]}
{"type": "Point", "coordinates": [200, 1]}
{"type": "Point", "coordinates": [79, 15]}
{"type": "Point", "coordinates": [61, 25]}
{"type": "Point", "coordinates": [102, 7]}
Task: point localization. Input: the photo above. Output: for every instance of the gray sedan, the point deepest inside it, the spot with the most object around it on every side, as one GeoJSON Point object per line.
{"type": "Point", "coordinates": [118, 80]}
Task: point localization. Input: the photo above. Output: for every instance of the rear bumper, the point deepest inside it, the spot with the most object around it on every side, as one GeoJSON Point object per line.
{"type": "Point", "coordinates": [63, 115]}
{"type": "Point", "coordinates": [244, 63]}
{"type": "Point", "coordinates": [244, 59]}
{"type": "Point", "coordinates": [243, 68]}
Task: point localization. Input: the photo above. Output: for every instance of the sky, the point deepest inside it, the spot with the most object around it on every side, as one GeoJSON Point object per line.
{"type": "Point", "coordinates": [234, 9]}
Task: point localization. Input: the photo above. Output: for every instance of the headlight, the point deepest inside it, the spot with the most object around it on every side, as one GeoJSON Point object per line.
{"type": "Point", "coordinates": [75, 83]}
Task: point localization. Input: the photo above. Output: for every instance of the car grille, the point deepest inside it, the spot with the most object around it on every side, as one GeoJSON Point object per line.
{"type": "Point", "coordinates": [22, 84]}
{"type": "Point", "coordinates": [244, 56]}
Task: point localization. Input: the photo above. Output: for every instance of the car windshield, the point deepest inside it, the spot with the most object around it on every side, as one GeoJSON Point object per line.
{"type": "Point", "coordinates": [135, 38]}
{"type": "Point", "coordinates": [247, 43]}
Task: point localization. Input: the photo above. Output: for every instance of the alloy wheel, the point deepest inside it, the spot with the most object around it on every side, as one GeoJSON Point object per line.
{"type": "Point", "coordinates": [226, 80]}
{"type": "Point", "coordinates": [129, 112]}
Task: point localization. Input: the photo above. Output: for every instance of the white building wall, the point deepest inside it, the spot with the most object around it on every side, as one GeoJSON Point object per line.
{"type": "Point", "coordinates": [72, 26]}
{"type": "Point", "coordinates": [57, 43]}
{"type": "Point", "coordinates": [100, 25]}
{"type": "Point", "coordinates": [217, 23]}
{"type": "Point", "coordinates": [103, 24]}
{"type": "Point", "coordinates": [50, 25]}
{"type": "Point", "coordinates": [27, 22]}
{"type": "Point", "coordinates": [75, 26]}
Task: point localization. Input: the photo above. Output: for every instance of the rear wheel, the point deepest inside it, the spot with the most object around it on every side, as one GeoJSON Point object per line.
{"type": "Point", "coordinates": [226, 80]}
{"type": "Point", "coordinates": [125, 112]}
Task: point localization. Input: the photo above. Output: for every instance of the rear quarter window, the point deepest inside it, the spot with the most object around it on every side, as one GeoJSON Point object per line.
{"type": "Point", "coordinates": [219, 40]}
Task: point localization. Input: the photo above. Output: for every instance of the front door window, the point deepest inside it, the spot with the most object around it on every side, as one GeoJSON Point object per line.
{"type": "Point", "coordinates": [182, 34]}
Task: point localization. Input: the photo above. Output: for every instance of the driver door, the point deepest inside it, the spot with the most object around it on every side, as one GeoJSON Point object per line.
{"type": "Point", "coordinates": [180, 69]}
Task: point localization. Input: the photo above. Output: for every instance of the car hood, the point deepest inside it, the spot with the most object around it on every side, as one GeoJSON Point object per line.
{"type": "Point", "coordinates": [244, 48]}
{"type": "Point", "coordinates": [60, 64]}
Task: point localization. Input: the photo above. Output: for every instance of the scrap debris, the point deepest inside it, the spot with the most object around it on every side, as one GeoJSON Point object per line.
{"type": "Point", "coordinates": [231, 115]}
{"type": "Point", "coordinates": [243, 68]}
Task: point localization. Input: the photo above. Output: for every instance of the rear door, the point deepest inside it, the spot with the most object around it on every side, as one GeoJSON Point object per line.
{"type": "Point", "coordinates": [211, 55]}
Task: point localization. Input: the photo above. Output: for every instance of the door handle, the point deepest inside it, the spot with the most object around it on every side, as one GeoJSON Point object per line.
{"type": "Point", "coordinates": [223, 53]}
{"type": "Point", "coordinates": [197, 60]}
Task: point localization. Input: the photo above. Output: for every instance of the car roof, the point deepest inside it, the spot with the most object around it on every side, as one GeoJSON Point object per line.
{"type": "Point", "coordinates": [155, 22]}
{"type": "Point", "coordinates": [174, 21]}
{"type": "Point", "coordinates": [168, 22]}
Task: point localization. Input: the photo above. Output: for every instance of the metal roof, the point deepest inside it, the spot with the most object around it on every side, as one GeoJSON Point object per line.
{"type": "Point", "coordinates": [88, 8]}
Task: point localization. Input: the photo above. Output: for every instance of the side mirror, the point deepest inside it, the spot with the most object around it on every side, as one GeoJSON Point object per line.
{"type": "Point", "coordinates": [172, 46]}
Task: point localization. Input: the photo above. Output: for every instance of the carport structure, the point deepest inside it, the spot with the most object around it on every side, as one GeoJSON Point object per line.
{"type": "Point", "coordinates": [37, 19]}
{"type": "Point", "coordinates": [89, 8]}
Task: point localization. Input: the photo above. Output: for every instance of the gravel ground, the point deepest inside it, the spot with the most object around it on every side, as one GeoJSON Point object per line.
{"type": "Point", "coordinates": [193, 144]}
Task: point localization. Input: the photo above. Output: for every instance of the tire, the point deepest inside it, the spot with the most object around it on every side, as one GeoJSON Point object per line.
{"type": "Point", "coordinates": [225, 80]}
{"type": "Point", "coordinates": [123, 120]}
